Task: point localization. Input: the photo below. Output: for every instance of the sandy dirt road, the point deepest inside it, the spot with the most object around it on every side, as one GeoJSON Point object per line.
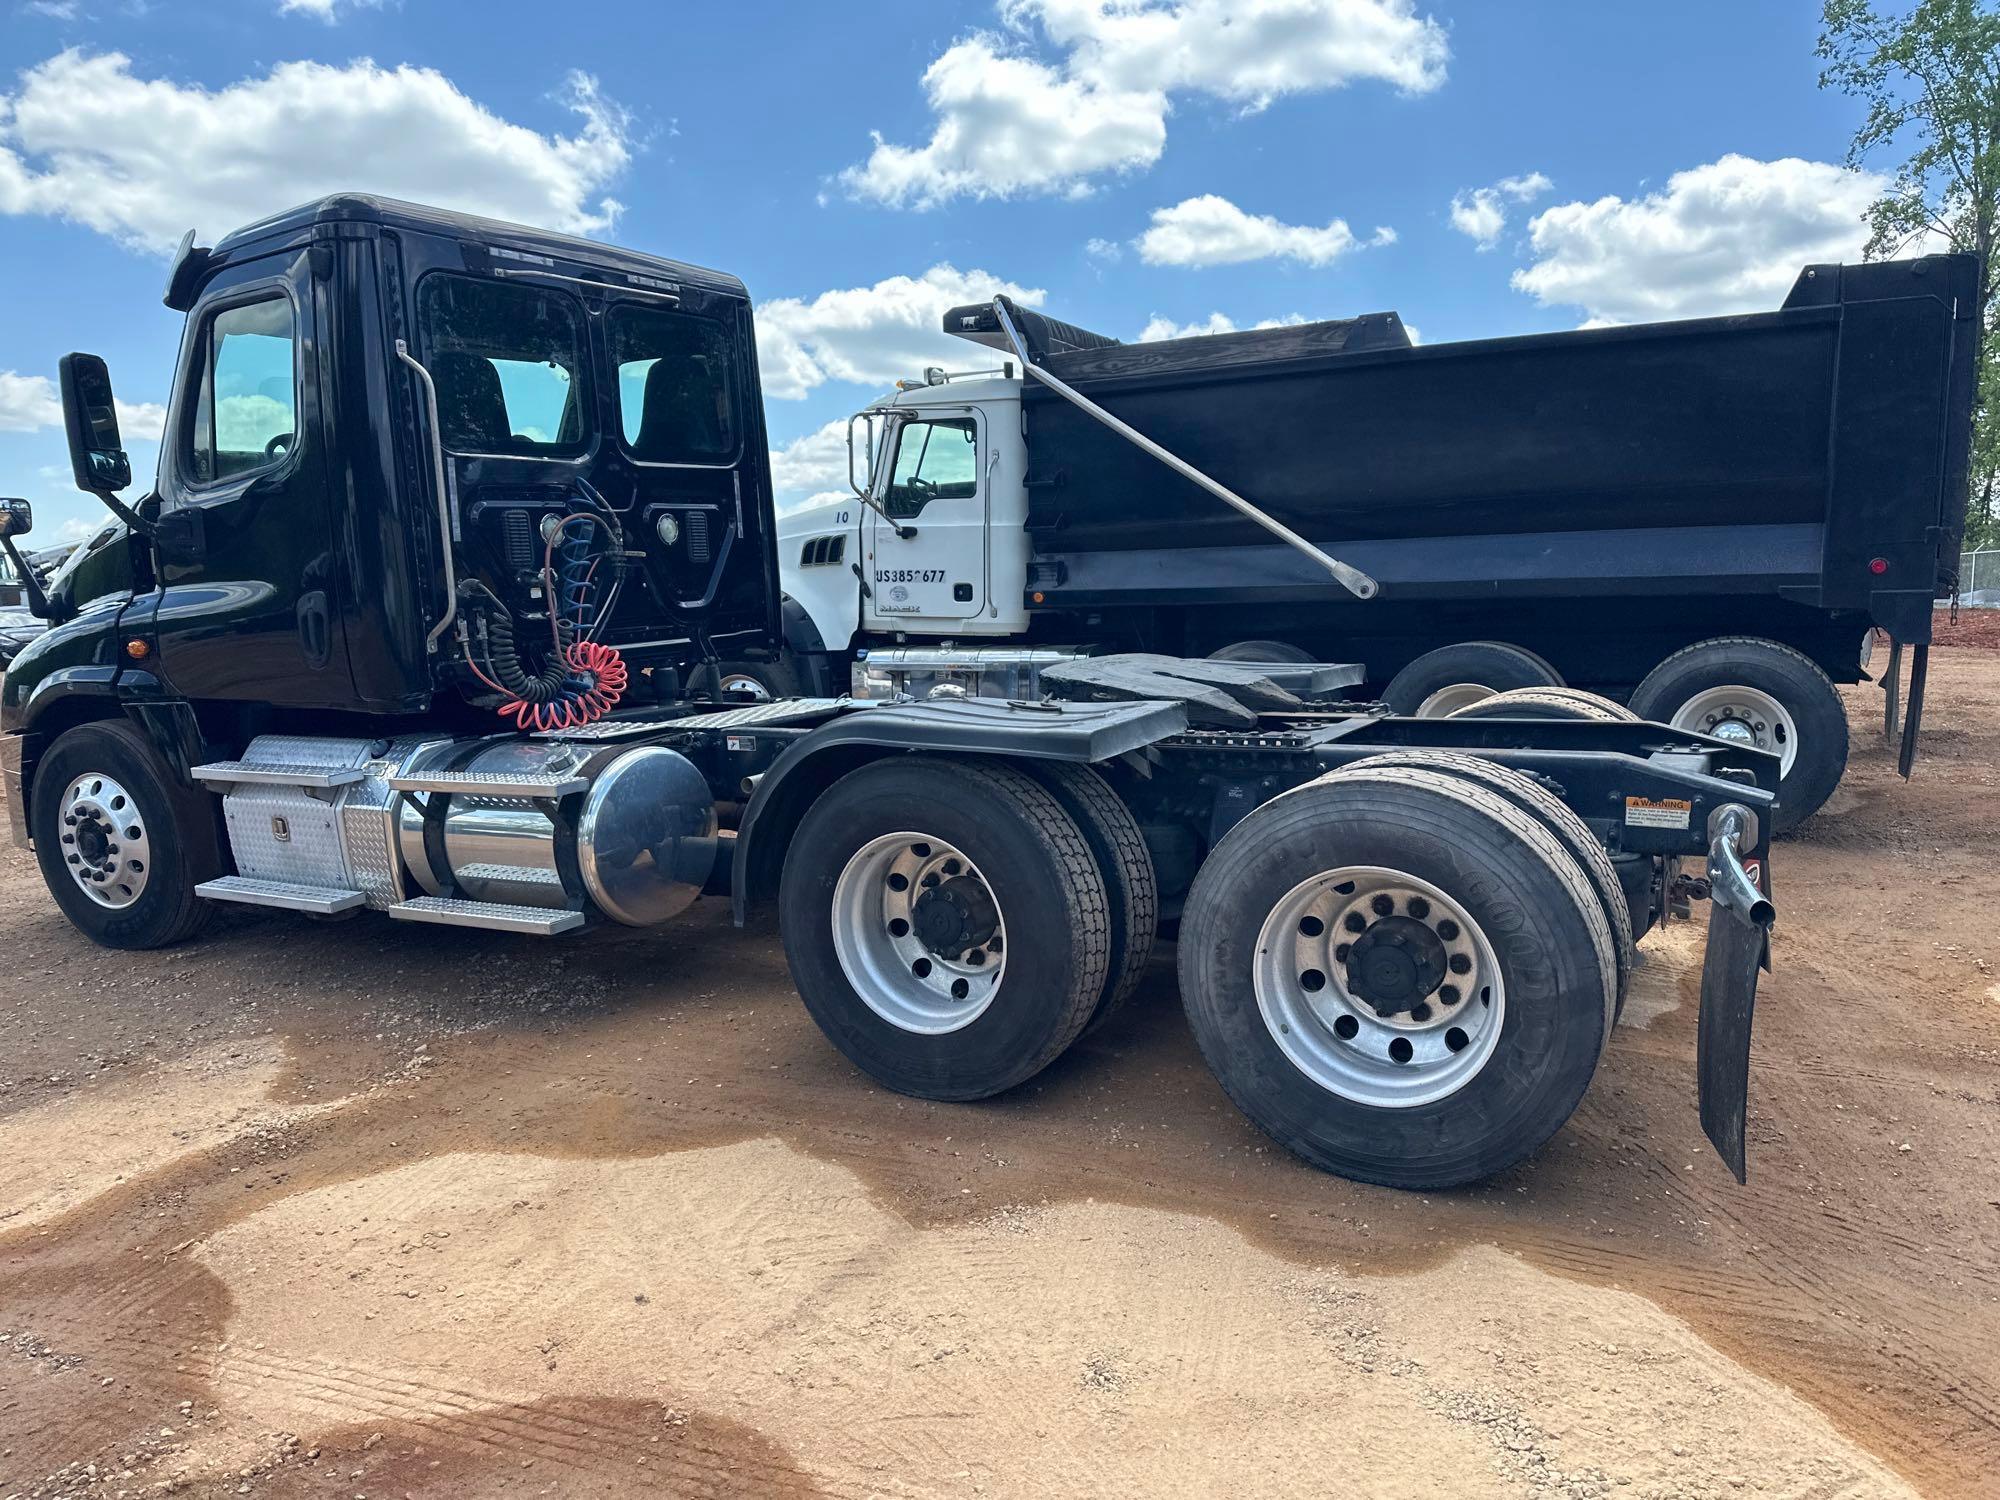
{"type": "Point", "coordinates": [371, 1210]}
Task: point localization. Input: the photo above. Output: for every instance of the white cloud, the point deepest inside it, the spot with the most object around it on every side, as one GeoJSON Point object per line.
{"type": "Point", "coordinates": [329, 11]}
{"type": "Point", "coordinates": [1161, 327]}
{"type": "Point", "coordinates": [54, 10]}
{"type": "Point", "coordinates": [1212, 231]}
{"type": "Point", "coordinates": [1726, 237]}
{"type": "Point", "coordinates": [814, 462]}
{"type": "Point", "coordinates": [1009, 125]}
{"type": "Point", "coordinates": [28, 403]}
{"type": "Point", "coordinates": [141, 421]}
{"type": "Point", "coordinates": [150, 158]}
{"type": "Point", "coordinates": [1009, 122]}
{"type": "Point", "coordinates": [78, 528]}
{"type": "Point", "coordinates": [1105, 250]}
{"type": "Point", "coordinates": [1481, 213]}
{"type": "Point", "coordinates": [871, 335]}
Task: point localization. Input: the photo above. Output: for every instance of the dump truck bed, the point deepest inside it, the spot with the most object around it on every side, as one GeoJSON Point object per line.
{"type": "Point", "coordinates": [1779, 453]}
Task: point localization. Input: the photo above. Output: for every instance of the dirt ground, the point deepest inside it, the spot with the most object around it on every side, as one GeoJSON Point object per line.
{"type": "Point", "coordinates": [374, 1210]}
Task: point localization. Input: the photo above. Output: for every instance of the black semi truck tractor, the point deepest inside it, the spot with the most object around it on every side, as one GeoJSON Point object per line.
{"type": "Point", "coordinates": [454, 525]}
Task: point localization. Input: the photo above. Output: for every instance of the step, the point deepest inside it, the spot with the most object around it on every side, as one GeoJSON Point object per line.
{"type": "Point", "coordinates": [276, 773]}
{"type": "Point", "coordinates": [514, 784]}
{"type": "Point", "coordinates": [320, 900]}
{"type": "Point", "coordinates": [537, 921]}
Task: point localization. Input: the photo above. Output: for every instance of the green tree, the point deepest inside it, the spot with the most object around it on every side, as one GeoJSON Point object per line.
{"type": "Point", "coordinates": [1930, 77]}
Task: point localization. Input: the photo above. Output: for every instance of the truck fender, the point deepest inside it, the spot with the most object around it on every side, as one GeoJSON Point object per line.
{"type": "Point", "coordinates": [807, 648]}
{"type": "Point", "coordinates": [1085, 733]}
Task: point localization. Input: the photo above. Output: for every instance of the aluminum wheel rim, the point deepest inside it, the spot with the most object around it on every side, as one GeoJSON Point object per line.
{"type": "Point", "coordinates": [1746, 715]}
{"type": "Point", "coordinates": [878, 934]}
{"type": "Point", "coordinates": [742, 685]}
{"type": "Point", "coordinates": [1447, 701]}
{"type": "Point", "coordinates": [1339, 1040]}
{"type": "Point", "coordinates": [104, 842]}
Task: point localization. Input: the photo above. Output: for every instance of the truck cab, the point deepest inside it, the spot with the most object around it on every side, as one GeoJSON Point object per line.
{"type": "Point", "coordinates": [315, 527]}
{"type": "Point", "coordinates": [931, 543]}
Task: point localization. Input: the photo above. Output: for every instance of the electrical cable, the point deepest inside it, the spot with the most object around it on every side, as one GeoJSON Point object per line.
{"type": "Point", "coordinates": [582, 679]}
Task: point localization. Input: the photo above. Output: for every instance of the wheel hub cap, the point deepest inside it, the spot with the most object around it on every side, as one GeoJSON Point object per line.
{"type": "Point", "coordinates": [1395, 964]}
{"type": "Point", "coordinates": [955, 915]}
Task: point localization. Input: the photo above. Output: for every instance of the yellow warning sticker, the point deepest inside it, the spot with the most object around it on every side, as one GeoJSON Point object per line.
{"type": "Point", "coordinates": [1667, 812]}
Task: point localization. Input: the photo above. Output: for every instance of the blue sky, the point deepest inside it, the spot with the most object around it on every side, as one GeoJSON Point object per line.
{"type": "Point", "coordinates": [1538, 165]}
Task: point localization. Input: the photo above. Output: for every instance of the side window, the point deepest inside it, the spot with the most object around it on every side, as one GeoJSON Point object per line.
{"type": "Point", "coordinates": [934, 461]}
{"type": "Point", "coordinates": [246, 402]}
{"type": "Point", "coordinates": [506, 360]}
{"type": "Point", "coordinates": [676, 388]}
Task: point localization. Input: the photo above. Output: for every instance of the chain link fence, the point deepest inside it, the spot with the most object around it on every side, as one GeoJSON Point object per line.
{"type": "Point", "coordinates": [1979, 578]}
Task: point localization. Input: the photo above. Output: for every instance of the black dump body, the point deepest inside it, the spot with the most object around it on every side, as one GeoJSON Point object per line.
{"type": "Point", "coordinates": [1777, 454]}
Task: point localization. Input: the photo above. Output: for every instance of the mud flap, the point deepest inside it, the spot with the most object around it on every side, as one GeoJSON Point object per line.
{"type": "Point", "coordinates": [1913, 711]}
{"type": "Point", "coordinates": [1737, 949]}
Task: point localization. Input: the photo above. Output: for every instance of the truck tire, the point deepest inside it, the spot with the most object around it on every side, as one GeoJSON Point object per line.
{"type": "Point", "coordinates": [915, 891]}
{"type": "Point", "coordinates": [1130, 885]}
{"type": "Point", "coordinates": [1262, 651]}
{"type": "Point", "coordinates": [758, 681]}
{"type": "Point", "coordinates": [1344, 1057]}
{"type": "Point", "coordinates": [1561, 820]}
{"type": "Point", "coordinates": [1547, 703]}
{"type": "Point", "coordinates": [121, 843]}
{"type": "Point", "coordinates": [1440, 682]}
{"type": "Point", "coordinates": [1763, 694]}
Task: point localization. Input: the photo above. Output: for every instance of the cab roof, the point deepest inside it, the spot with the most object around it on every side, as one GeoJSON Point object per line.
{"type": "Point", "coordinates": [297, 225]}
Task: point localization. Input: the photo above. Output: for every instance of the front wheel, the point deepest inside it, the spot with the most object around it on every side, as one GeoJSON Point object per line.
{"type": "Point", "coordinates": [946, 924]}
{"type": "Point", "coordinates": [121, 844]}
{"type": "Point", "coordinates": [1757, 692]}
{"type": "Point", "coordinates": [1399, 975]}
{"type": "Point", "coordinates": [757, 681]}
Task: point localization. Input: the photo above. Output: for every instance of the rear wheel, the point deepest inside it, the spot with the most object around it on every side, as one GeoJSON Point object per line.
{"type": "Point", "coordinates": [1441, 682]}
{"type": "Point", "coordinates": [946, 924]}
{"type": "Point", "coordinates": [1262, 651]}
{"type": "Point", "coordinates": [121, 844]}
{"type": "Point", "coordinates": [1130, 885]}
{"type": "Point", "coordinates": [1757, 692]}
{"type": "Point", "coordinates": [1399, 975]}
{"type": "Point", "coordinates": [1561, 820]}
{"type": "Point", "coordinates": [1548, 703]}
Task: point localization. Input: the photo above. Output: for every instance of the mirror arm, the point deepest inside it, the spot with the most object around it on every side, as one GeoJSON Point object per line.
{"type": "Point", "coordinates": [139, 524]}
{"type": "Point", "coordinates": [891, 421]}
{"type": "Point", "coordinates": [31, 586]}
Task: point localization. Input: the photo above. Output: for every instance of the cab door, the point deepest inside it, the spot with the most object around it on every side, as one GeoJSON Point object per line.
{"type": "Point", "coordinates": [927, 543]}
{"type": "Point", "coordinates": [247, 609]}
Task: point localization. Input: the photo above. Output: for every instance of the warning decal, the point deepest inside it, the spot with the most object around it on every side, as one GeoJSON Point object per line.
{"type": "Point", "coordinates": [1668, 812]}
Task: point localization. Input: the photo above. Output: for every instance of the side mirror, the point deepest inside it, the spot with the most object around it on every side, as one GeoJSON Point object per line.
{"type": "Point", "coordinates": [17, 518]}
{"type": "Point", "coordinates": [90, 416]}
